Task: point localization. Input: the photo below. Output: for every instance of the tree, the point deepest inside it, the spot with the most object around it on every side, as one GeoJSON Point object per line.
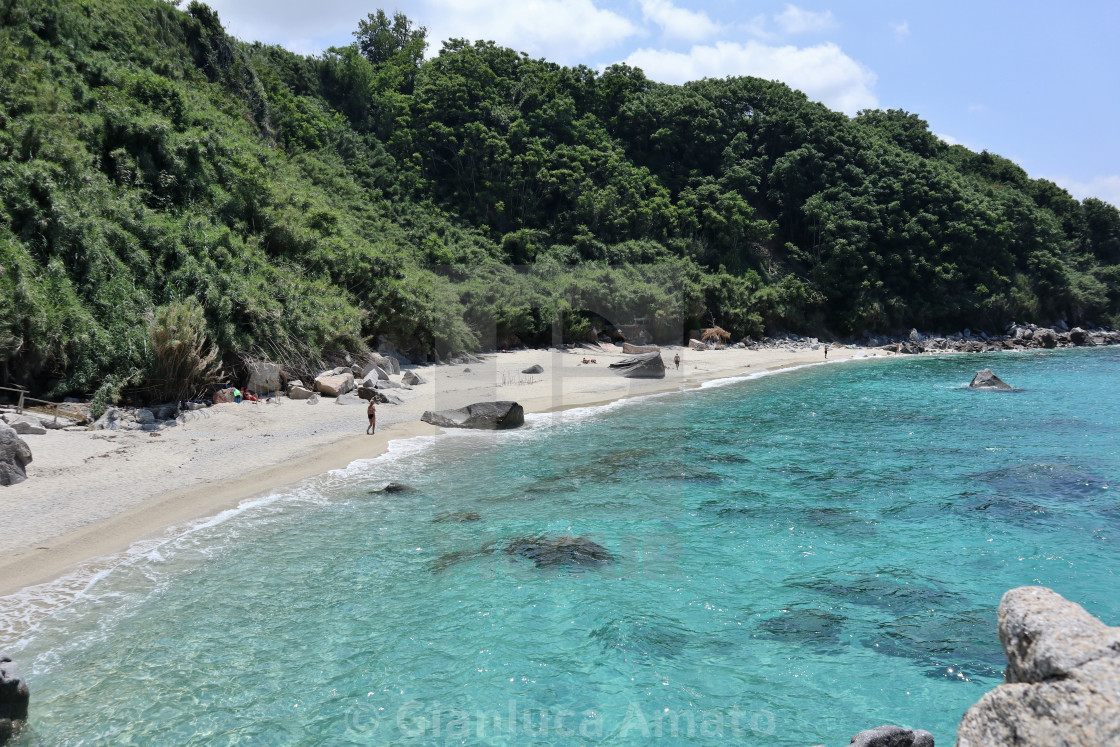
{"type": "Point", "coordinates": [382, 41]}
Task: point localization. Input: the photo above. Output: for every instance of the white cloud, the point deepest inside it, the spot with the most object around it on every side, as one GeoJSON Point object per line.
{"type": "Point", "coordinates": [1105, 188]}
{"type": "Point", "coordinates": [901, 30]}
{"type": "Point", "coordinates": [679, 23]}
{"type": "Point", "coordinates": [794, 20]}
{"type": "Point", "coordinates": [823, 71]}
{"type": "Point", "coordinates": [564, 31]}
{"type": "Point", "coordinates": [290, 24]}
{"type": "Point", "coordinates": [947, 139]}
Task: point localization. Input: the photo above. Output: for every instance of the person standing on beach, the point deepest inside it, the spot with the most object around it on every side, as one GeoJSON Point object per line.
{"type": "Point", "coordinates": [826, 351]}
{"type": "Point", "coordinates": [677, 360]}
{"type": "Point", "coordinates": [237, 395]}
{"type": "Point", "coordinates": [372, 414]}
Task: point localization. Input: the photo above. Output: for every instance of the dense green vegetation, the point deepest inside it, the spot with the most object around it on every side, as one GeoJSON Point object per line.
{"type": "Point", "coordinates": [155, 172]}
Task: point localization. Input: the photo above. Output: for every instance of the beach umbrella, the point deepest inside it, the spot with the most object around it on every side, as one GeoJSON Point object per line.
{"type": "Point", "coordinates": [715, 333]}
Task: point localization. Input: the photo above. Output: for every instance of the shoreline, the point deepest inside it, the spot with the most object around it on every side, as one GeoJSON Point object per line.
{"type": "Point", "coordinates": [102, 523]}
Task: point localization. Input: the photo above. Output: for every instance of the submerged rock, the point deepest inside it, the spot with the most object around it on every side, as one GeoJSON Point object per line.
{"type": "Point", "coordinates": [396, 487]}
{"type": "Point", "coordinates": [892, 736]}
{"type": "Point", "coordinates": [987, 380]}
{"type": "Point", "coordinates": [482, 415]}
{"type": "Point", "coordinates": [1062, 682]}
{"type": "Point", "coordinates": [566, 550]}
{"type": "Point", "coordinates": [460, 516]}
{"type": "Point", "coordinates": [15, 455]}
{"type": "Point", "coordinates": [14, 698]}
{"type": "Point", "coordinates": [644, 366]}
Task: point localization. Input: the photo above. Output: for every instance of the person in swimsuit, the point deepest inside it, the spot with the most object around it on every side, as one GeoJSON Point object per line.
{"type": "Point", "coordinates": [370, 412]}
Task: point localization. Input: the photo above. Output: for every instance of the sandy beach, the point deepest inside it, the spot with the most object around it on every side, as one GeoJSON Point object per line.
{"type": "Point", "coordinates": [91, 495]}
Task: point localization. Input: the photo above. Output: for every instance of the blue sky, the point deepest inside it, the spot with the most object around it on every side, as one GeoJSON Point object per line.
{"type": "Point", "coordinates": [1037, 82]}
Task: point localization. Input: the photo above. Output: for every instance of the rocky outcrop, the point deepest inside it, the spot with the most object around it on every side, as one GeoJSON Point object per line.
{"type": "Point", "coordinates": [334, 384]}
{"type": "Point", "coordinates": [1062, 683]}
{"type": "Point", "coordinates": [412, 378]}
{"type": "Point", "coordinates": [892, 736]}
{"type": "Point", "coordinates": [14, 698]}
{"type": "Point", "coordinates": [629, 349]}
{"type": "Point", "coordinates": [987, 380]}
{"type": "Point", "coordinates": [15, 455]}
{"type": "Point", "coordinates": [482, 415]}
{"type": "Point", "coordinates": [695, 344]}
{"type": "Point", "coordinates": [536, 368]}
{"type": "Point", "coordinates": [644, 366]}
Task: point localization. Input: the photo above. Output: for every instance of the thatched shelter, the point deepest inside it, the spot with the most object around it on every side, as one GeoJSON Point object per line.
{"type": "Point", "coordinates": [715, 334]}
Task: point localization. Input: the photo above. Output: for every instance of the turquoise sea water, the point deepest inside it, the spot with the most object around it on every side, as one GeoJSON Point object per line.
{"type": "Point", "coordinates": [797, 558]}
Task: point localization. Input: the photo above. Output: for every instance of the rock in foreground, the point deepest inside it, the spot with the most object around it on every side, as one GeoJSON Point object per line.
{"type": "Point", "coordinates": [15, 455]}
{"type": "Point", "coordinates": [1062, 680]}
{"type": "Point", "coordinates": [644, 366]}
{"type": "Point", "coordinates": [14, 697]}
{"type": "Point", "coordinates": [892, 736]}
{"type": "Point", "coordinates": [482, 415]}
{"type": "Point", "coordinates": [987, 380]}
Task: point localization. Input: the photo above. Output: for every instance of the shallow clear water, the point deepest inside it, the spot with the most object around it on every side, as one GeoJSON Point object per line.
{"type": "Point", "coordinates": [797, 558]}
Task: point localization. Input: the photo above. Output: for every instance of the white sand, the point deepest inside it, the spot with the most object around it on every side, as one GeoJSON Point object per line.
{"type": "Point", "coordinates": [90, 495]}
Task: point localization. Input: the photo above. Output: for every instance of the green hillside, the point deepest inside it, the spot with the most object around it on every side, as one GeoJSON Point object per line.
{"type": "Point", "coordinates": [165, 188]}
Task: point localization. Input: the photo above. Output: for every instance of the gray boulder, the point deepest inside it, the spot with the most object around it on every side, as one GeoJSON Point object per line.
{"type": "Point", "coordinates": [412, 378]}
{"type": "Point", "coordinates": [386, 398]}
{"type": "Point", "coordinates": [264, 376]}
{"type": "Point", "coordinates": [110, 420]}
{"type": "Point", "coordinates": [366, 392]}
{"type": "Point", "coordinates": [892, 736]}
{"type": "Point", "coordinates": [294, 383]}
{"type": "Point", "coordinates": [1062, 683]}
{"type": "Point", "coordinates": [1047, 338]}
{"type": "Point", "coordinates": [987, 380]}
{"type": "Point", "coordinates": [145, 417]}
{"type": "Point", "coordinates": [644, 366]}
{"type": "Point", "coordinates": [482, 415]}
{"type": "Point", "coordinates": [300, 392]}
{"type": "Point", "coordinates": [14, 697]}
{"type": "Point", "coordinates": [629, 349]}
{"type": "Point", "coordinates": [15, 455]}
{"type": "Point", "coordinates": [350, 398]}
{"type": "Point", "coordinates": [27, 425]}
{"type": "Point", "coordinates": [536, 368]}
{"type": "Point", "coordinates": [1078, 336]}
{"type": "Point", "coordinates": [333, 385]}
{"type": "Point", "coordinates": [386, 384]}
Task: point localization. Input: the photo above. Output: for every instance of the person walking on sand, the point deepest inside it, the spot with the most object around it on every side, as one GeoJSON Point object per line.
{"type": "Point", "coordinates": [677, 360]}
{"type": "Point", "coordinates": [372, 414]}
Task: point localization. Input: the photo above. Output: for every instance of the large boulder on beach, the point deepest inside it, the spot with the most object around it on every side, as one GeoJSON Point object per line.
{"type": "Point", "coordinates": [264, 376]}
{"type": "Point", "coordinates": [629, 349]}
{"type": "Point", "coordinates": [1078, 336]}
{"type": "Point", "coordinates": [481, 415]}
{"type": "Point", "coordinates": [15, 455]}
{"type": "Point", "coordinates": [892, 736]}
{"type": "Point", "coordinates": [644, 366]}
{"type": "Point", "coordinates": [14, 698]}
{"type": "Point", "coordinates": [695, 344]}
{"type": "Point", "coordinates": [386, 398]}
{"type": "Point", "coordinates": [1062, 682]}
{"type": "Point", "coordinates": [987, 380]}
{"type": "Point", "coordinates": [1047, 338]}
{"type": "Point", "coordinates": [412, 378]}
{"type": "Point", "coordinates": [300, 392]}
{"type": "Point", "coordinates": [536, 368]}
{"type": "Point", "coordinates": [334, 384]}
{"type": "Point", "coordinates": [27, 425]}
